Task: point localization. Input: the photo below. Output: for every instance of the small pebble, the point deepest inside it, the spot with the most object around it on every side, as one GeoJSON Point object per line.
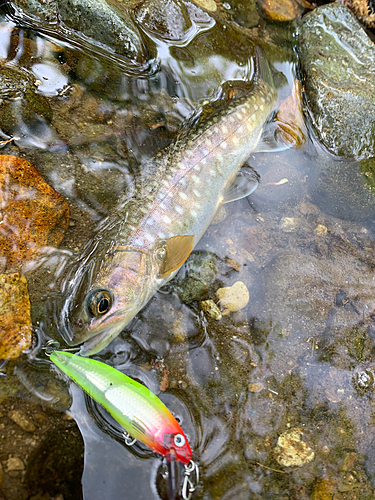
{"type": "Point", "coordinates": [233, 298]}
{"type": "Point", "coordinates": [289, 224]}
{"type": "Point", "coordinates": [14, 463]}
{"type": "Point", "coordinates": [320, 230]}
{"type": "Point", "coordinates": [21, 420]}
{"type": "Point", "coordinates": [211, 309]}
{"type": "Point", "coordinates": [291, 450]}
{"type": "Point", "coordinates": [256, 387]}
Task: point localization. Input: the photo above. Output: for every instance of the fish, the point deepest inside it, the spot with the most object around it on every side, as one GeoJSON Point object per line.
{"type": "Point", "coordinates": [138, 410]}
{"type": "Point", "coordinates": [141, 246]}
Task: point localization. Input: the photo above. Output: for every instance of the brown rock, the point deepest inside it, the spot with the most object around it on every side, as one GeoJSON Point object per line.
{"type": "Point", "coordinates": [15, 320]}
{"type": "Point", "coordinates": [32, 214]}
{"type": "Point", "coordinates": [21, 419]}
{"type": "Point", "coordinates": [289, 119]}
{"type": "Point", "coordinates": [284, 10]}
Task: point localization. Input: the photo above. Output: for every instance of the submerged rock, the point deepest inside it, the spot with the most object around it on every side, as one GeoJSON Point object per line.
{"type": "Point", "coordinates": [292, 450]}
{"type": "Point", "coordinates": [338, 65]}
{"type": "Point", "coordinates": [15, 319]}
{"type": "Point", "coordinates": [233, 298]}
{"type": "Point", "coordinates": [108, 23]}
{"type": "Point", "coordinates": [32, 214]}
{"type": "Point", "coordinates": [20, 104]}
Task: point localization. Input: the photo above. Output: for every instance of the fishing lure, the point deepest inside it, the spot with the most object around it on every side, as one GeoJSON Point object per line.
{"type": "Point", "coordinates": [143, 416]}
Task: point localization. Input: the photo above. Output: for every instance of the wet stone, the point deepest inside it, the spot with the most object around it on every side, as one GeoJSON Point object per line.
{"type": "Point", "coordinates": [168, 20]}
{"type": "Point", "coordinates": [211, 309]}
{"type": "Point", "coordinates": [108, 23]}
{"type": "Point", "coordinates": [283, 10]}
{"type": "Point", "coordinates": [337, 61]}
{"type": "Point", "coordinates": [32, 216]}
{"type": "Point", "coordinates": [233, 298]}
{"type": "Point", "coordinates": [291, 450]}
{"type": "Point", "coordinates": [22, 420]}
{"type": "Point", "coordinates": [15, 319]}
{"type": "Point", "coordinates": [20, 103]}
{"type": "Point", "coordinates": [14, 464]}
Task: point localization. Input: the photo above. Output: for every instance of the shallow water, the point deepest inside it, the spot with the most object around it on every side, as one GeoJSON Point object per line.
{"type": "Point", "coordinates": [298, 356]}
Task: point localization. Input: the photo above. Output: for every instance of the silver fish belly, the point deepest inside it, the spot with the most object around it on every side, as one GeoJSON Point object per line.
{"type": "Point", "coordinates": [139, 248]}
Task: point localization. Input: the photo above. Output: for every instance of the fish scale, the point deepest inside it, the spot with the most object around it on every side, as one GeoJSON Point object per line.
{"type": "Point", "coordinates": [142, 244]}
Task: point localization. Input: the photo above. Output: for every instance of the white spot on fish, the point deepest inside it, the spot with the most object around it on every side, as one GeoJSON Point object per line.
{"type": "Point", "coordinates": [224, 129]}
{"type": "Point", "coordinates": [238, 115]}
{"type": "Point", "coordinates": [149, 222]}
{"type": "Point", "coordinates": [193, 213]}
{"type": "Point", "coordinates": [235, 140]}
{"type": "Point", "coordinates": [179, 209]}
{"type": "Point", "coordinates": [219, 158]}
{"type": "Point", "coordinates": [196, 193]}
{"type": "Point", "coordinates": [213, 173]}
{"type": "Point", "coordinates": [182, 195]}
{"type": "Point", "coordinates": [197, 168]}
{"type": "Point", "coordinates": [149, 237]}
{"type": "Point", "coordinates": [143, 209]}
{"type": "Point", "coordinates": [196, 179]}
{"type": "Point", "coordinates": [208, 143]}
{"type": "Point", "coordinates": [166, 219]}
{"type": "Point", "coordinates": [165, 182]}
{"type": "Point", "coordinates": [180, 165]}
{"type": "Point", "coordinates": [161, 235]}
{"type": "Point", "coordinates": [256, 107]}
{"type": "Point", "coordinates": [162, 205]}
{"type": "Point", "coordinates": [262, 99]}
{"type": "Point", "coordinates": [231, 119]}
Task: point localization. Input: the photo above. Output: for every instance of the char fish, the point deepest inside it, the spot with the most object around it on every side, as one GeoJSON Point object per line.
{"type": "Point", "coordinates": [141, 246]}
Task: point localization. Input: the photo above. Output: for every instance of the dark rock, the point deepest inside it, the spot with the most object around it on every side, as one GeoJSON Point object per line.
{"type": "Point", "coordinates": [338, 61]}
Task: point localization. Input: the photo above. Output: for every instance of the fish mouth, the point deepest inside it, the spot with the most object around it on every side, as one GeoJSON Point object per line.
{"type": "Point", "coordinates": [100, 340]}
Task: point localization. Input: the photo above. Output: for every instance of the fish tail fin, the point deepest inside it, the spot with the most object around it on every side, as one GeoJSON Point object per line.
{"type": "Point", "coordinates": [262, 67]}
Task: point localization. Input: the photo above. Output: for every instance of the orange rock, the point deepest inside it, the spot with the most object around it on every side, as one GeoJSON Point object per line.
{"type": "Point", "coordinates": [32, 214]}
{"type": "Point", "coordinates": [15, 320]}
{"type": "Point", "coordinates": [289, 119]}
{"type": "Point", "coordinates": [284, 10]}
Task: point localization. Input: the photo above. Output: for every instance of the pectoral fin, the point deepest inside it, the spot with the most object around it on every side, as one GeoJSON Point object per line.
{"type": "Point", "coordinates": [177, 250]}
{"type": "Point", "coordinates": [245, 183]}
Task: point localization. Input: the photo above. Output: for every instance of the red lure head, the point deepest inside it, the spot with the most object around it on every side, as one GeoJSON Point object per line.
{"type": "Point", "coordinates": [178, 442]}
{"type": "Point", "coordinates": [172, 437]}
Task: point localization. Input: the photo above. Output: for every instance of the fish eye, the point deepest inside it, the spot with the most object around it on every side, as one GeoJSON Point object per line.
{"type": "Point", "coordinates": [99, 302]}
{"type": "Point", "coordinates": [179, 440]}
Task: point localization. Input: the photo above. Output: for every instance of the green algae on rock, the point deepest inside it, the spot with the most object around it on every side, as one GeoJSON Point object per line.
{"type": "Point", "coordinates": [20, 103]}
{"type": "Point", "coordinates": [337, 62]}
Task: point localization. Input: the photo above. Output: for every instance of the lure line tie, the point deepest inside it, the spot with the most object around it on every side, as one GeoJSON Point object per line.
{"type": "Point", "coordinates": [188, 486]}
{"type": "Point", "coordinates": [129, 441]}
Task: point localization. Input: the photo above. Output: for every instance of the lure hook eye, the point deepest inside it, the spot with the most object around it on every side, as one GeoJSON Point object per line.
{"type": "Point", "coordinates": [179, 440]}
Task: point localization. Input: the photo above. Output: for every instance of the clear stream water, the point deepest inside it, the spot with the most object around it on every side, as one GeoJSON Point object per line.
{"type": "Point", "coordinates": [299, 356]}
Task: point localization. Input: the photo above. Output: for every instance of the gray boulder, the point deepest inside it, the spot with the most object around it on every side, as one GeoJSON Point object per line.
{"type": "Point", "coordinates": [338, 67]}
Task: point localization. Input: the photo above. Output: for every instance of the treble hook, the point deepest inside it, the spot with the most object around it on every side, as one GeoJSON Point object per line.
{"type": "Point", "coordinates": [188, 487]}
{"type": "Point", "coordinates": [129, 441]}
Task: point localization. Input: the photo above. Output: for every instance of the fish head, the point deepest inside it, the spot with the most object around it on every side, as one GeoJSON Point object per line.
{"type": "Point", "coordinates": [104, 296]}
